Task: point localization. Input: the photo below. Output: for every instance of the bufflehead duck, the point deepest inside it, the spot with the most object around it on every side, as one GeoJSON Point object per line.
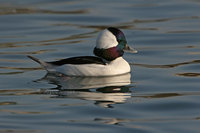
{"type": "Point", "coordinates": [108, 61]}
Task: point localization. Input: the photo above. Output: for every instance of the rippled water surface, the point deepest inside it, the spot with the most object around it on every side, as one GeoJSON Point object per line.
{"type": "Point", "coordinates": [160, 95]}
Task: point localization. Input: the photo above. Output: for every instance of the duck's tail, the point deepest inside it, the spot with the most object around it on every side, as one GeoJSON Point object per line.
{"type": "Point", "coordinates": [42, 63]}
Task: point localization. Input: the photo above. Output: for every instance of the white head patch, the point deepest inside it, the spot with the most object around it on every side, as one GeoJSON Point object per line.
{"type": "Point", "coordinates": [106, 40]}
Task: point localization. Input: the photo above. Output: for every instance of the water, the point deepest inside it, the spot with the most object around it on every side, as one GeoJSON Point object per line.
{"type": "Point", "coordinates": [161, 94]}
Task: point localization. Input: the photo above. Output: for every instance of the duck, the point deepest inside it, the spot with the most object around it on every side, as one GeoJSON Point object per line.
{"type": "Point", "coordinates": [110, 46]}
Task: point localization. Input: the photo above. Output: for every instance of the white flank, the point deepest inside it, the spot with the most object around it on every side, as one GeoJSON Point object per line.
{"type": "Point", "coordinates": [117, 67]}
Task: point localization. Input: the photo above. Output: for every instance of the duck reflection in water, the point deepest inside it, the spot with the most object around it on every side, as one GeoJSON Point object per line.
{"type": "Point", "coordinates": [105, 91]}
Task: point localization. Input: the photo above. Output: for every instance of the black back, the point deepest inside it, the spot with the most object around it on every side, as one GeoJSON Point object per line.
{"type": "Point", "coordinates": [79, 60]}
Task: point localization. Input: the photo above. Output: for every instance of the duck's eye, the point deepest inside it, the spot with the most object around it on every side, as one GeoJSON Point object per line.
{"type": "Point", "coordinates": [122, 41]}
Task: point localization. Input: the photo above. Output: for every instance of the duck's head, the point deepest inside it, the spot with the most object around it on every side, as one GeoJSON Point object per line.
{"type": "Point", "coordinates": [111, 44]}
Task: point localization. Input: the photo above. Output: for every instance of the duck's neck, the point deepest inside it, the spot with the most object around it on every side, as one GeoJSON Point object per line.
{"type": "Point", "coordinates": [108, 54]}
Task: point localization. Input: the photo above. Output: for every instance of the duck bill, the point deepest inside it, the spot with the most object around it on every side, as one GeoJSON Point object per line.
{"type": "Point", "coordinates": [129, 49]}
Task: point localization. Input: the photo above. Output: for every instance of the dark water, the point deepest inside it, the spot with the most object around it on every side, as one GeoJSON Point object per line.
{"type": "Point", "coordinates": [161, 95]}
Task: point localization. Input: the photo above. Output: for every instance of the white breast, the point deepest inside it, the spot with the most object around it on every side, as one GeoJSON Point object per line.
{"type": "Point", "coordinates": [116, 67]}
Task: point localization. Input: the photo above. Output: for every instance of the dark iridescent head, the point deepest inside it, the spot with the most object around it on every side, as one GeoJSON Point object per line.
{"type": "Point", "coordinates": [111, 44]}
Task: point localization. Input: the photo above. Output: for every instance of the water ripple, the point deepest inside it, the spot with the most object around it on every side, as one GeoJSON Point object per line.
{"type": "Point", "coordinates": [188, 74]}
{"type": "Point", "coordinates": [58, 41]}
{"type": "Point", "coordinates": [8, 103]}
{"type": "Point", "coordinates": [164, 19]}
{"type": "Point", "coordinates": [17, 131]}
{"type": "Point", "coordinates": [166, 95]}
{"type": "Point", "coordinates": [25, 53]}
{"type": "Point", "coordinates": [23, 112]}
{"type": "Point", "coordinates": [21, 68]}
{"type": "Point", "coordinates": [18, 92]}
{"type": "Point", "coordinates": [17, 10]}
{"type": "Point", "coordinates": [166, 66]}
{"type": "Point", "coordinates": [121, 121]}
